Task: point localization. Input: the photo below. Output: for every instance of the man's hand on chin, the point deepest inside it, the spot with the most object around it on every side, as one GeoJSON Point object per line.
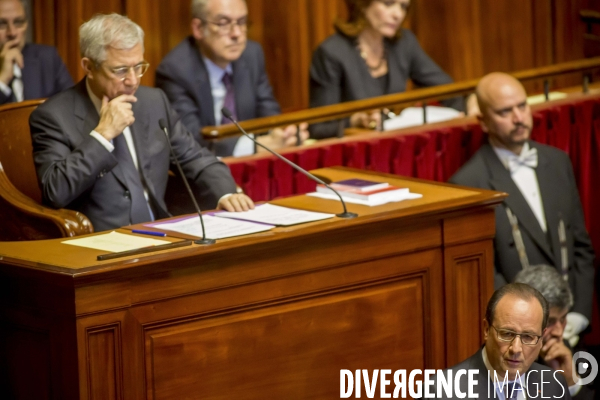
{"type": "Point", "coordinates": [235, 203]}
{"type": "Point", "coordinates": [559, 357]}
{"type": "Point", "coordinates": [115, 115]}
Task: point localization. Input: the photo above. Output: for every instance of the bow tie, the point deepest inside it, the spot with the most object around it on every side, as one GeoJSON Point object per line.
{"type": "Point", "coordinates": [526, 158]}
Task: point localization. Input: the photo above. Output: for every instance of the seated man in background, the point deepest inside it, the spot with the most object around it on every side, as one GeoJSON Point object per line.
{"type": "Point", "coordinates": [515, 320]}
{"type": "Point", "coordinates": [556, 352]}
{"type": "Point", "coordinates": [27, 71]}
{"type": "Point", "coordinates": [98, 147]}
{"type": "Point", "coordinates": [218, 66]}
{"type": "Point", "coordinates": [541, 221]}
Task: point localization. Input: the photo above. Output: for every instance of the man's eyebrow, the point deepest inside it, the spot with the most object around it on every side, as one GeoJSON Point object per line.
{"type": "Point", "coordinates": [223, 16]}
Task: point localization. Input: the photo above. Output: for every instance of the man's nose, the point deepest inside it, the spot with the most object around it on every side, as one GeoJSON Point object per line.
{"type": "Point", "coordinates": [11, 30]}
{"type": "Point", "coordinates": [235, 31]}
{"type": "Point", "coordinates": [517, 115]}
{"type": "Point", "coordinates": [131, 78]}
{"type": "Point", "coordinates": [516, 345]}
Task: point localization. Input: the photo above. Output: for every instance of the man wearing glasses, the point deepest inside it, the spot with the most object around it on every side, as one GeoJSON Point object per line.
{"type": "Point", "coordinates": [556, 352]}
{"type": "Point", "coordinates": [218, 66]}
{"type": "Point", "coordinates": [27, 71]}
{"type": "Point", "coordinates": [515, 321]}
{"type": "Point", "coordinates": [98, 147]}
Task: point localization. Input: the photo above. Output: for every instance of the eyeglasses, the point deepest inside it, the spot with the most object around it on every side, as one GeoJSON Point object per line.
{"type": "Point", "coordinates": [122, 72]}
{"type": "Point", "coordinates": [225, 25]}
{"type": "Point", "coordinates": [17, 23]}
{"type": "Point", "coordinates": [528, 339]}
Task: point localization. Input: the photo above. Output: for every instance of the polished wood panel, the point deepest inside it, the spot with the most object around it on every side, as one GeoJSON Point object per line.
{"type": "Point", "coordinates": [259, 316]}
{"type": "Point", "coordinates": [467, 38]}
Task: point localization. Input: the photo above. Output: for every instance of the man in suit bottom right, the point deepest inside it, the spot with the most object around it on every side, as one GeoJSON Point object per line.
{"type": "Point", "coordinates": [515, 321]}
{"type": "Point", "coordinates": [541, 221]}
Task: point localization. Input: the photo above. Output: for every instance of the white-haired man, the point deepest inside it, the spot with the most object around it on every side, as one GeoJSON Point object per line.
{"type": "Point", "coordinates": [98, 146]}
{"type": "Point", "coordinates": [218, 66]}
{"type": "Point", "coordinates": [27, 70]}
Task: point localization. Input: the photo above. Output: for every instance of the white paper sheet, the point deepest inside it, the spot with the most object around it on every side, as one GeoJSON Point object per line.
{"type": "Point", "coordinates": [216, 228]}
{"type": "Point", "coordinates": [276, 215]}
{"type": "Point", "coordinates": [371, 203]}
{"type": "Point", "coordinates": [115, 242]}
{"type": "Point", "coordinates": [413, 116]}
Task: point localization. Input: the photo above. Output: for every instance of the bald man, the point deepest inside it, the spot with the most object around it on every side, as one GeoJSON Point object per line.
{"type": "Point", "coordinates": [541, 222]}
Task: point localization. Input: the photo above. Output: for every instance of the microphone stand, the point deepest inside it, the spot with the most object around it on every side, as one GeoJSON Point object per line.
{"type": "Point", "coordinates": [227, 114]}
{"type": "Point", "coordinates": [204, 240]}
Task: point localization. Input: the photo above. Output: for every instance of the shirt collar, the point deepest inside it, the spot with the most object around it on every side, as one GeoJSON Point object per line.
{"type": "Point", "coordinates": [504, 155]}
{"type": "Point", "coordinates": [215, 73]}
{"type": "Point", "coordinates": [95, 100]}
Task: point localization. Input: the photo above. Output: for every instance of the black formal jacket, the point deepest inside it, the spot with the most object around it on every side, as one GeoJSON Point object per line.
{"type": "Point", "coordinates": [183, 76]}
{"type": "Point", "coordinates": [44, 74]}
{"type": "Point", "coordinates": [75, 171]}
{"type": "Point", "coordinates": [560, 199]}
{"type": "Point", "coordinates": [550, 388]}
{"type": "Point", "coordinates": [339, 74]}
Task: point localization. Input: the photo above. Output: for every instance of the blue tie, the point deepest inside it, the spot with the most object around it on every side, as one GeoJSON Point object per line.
{"type": "Point", "coordinates": [229, 95]}
{"type": "Point", "coordinates": [140, 212]}
{"type": "Point", "coordinates": [512, 390]}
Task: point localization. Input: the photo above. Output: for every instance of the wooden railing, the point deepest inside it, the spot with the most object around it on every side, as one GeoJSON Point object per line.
{"type": "Point", "coordinates": [343, 110]}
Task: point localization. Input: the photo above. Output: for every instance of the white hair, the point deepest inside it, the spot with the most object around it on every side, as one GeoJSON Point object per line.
{"type": "Point", "coordinates": [108, 30]}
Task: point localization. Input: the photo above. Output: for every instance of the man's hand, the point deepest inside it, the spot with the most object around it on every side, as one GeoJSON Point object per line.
{"type": "Point", "coordinates": [369, 120]}
{"type": "Point", "coordinates": [9, 55]}
{"type": "Point", "coordinates": [235, 203]}
{"type": "Point", "coordinates": [286, 137]}
{"type": "Point", "coordinates": [115, 115]}
{"type": "Point", "coordinates": [559, 357]}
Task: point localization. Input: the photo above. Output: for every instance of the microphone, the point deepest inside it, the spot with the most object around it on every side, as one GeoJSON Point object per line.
{"type": "Point", "coordinates": [227, 114]}
{"type": "Point", "coordinates": [204, 240]}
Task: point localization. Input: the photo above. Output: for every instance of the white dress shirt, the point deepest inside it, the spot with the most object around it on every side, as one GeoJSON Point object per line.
{"type": "Point", "coordinates": [16, 86]}
{"type": "Point", "coordinates": [526, 180]}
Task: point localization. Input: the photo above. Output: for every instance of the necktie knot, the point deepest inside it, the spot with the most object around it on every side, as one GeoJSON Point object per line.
{"type": "Point", "coordinates": [527, 158]}
{"type": "Point", "coordinates": [227, 80]}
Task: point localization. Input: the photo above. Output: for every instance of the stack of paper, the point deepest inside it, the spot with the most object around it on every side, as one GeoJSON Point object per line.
{"type": "Point", "coordinates": [115, 242]}
{"type": "Point", "coordinates": [222, 225]}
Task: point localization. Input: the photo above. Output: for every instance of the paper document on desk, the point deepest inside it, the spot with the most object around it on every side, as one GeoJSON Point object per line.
{"type": "Point", "coordinates": [413, 116]}
{"type": "Point", "coordinates": [370, 203]}
{"type": "Point", "coordinates": [115, 242]}
{"type": "Point", "coordinates": [216, 228]}
{"type": "Point", "coordinates": [276, 215]}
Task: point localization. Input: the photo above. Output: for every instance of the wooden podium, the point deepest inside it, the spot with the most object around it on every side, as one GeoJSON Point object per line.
{"type": "Point", "coordinates": [274, 315]}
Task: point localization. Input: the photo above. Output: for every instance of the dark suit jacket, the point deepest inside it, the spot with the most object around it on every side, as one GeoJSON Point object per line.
{"type": "Point", "coordinates": [560, 199]}
{"type": "Point", "coordinates": [550, 389]}
{"type": "Point", "coordinates": [75, 171]}
{"type": "Point", "coordinates": [183, 76]}
{"type": "Point", "coordinates": [339, 74]}
{"type": "Point", "coordinates": [44, 74]}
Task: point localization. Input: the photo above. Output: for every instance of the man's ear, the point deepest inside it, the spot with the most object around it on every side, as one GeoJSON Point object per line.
{"type": "Point", "coordinates": [481, 120]}
{"type": "Point", "coordinates": [197, 28]}
{"type": "Point", "coordinates": [88, 66]}
{"type": "Point", "coordinates": [486, 329]}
